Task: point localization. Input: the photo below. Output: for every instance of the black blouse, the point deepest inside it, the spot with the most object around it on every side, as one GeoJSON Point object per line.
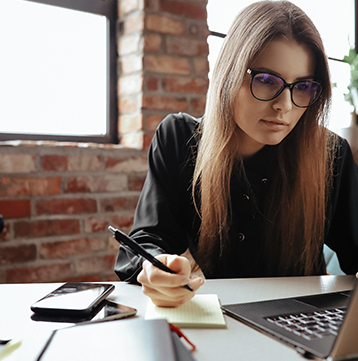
{"type": "Point", "coordinates": [166, 221]}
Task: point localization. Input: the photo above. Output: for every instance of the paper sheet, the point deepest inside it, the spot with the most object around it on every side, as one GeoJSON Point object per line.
{"type": "Point", "coordinates": [202, 311]}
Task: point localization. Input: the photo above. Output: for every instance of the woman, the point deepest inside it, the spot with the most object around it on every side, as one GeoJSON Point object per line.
{"type": "Point", "coordinates": [257, 186]}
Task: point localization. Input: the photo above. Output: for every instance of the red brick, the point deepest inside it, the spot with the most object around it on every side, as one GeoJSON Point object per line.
{"type": "Point", "coordinates": [166, 64]}
{"type": "Point", "coordinates": [97, 224]}
{"type": "Point", "coordinates": [45, 273]}
{"type": "Point", "coordinates": [18, 163]}
{"type": "Point", "coordinates": [130, 122]}
{"type": "Point", "coordinates": [198, 29]}
{"type": "Point", "coordinates": [128, 105]}
{"type": "Point", "coordinates": [147, 139]}
{"type": "Point", "coordinates": [129, 44]}
{"type": "Point", "coordinates": [105, 183]}
{"type": "Point", "coordinates": [113, 244]}
{"type": "Point", "coordinates": [46, 228]}
{"type": "Point", "coordinates": [152, 84]}
{"type": "Point", "coordinates": [153, 122]}
{"type": "Point", "coordinates": [95, 264]}
{"type": "Point", "coordinates": [198, 104]}
{"type": "Point", "coordinates": [162, 102]}
{"type": "Point", "coordinates": [189, 10]}
{"type": "Point", "coordinates": [131, 64]}
{"type": "Point", "coordinates": [17, 254]}
{"type": "Point", "coordinates": [127, 7]}
{"type": "Point", "coordinates": [152, 42]}
{"type": "Point", "coordinates": [64, 249]}
{"type": "Point", "coordinates": [15, 208]}
{"type": "Point", "coordinates": [119, 204]}
{"type": "Point", "coordinates": [164, 24]}
{"type": "Point", "coordinates": [133, 23]}
{"type": "Point", "coordinates": [131, 84]}
{"type": "Point", "coordinates": [186, 85]}
{"type": "Point", "coordinates": [135, 183]}
{"type": "Point", "coordinates": [126, 164]}
{"type": "Point", "coordinates": [152, 5]}
{"type": "Point", "coordinates": [185, 46]}
{"type": "Point", "coordinates": [201, 66]}
{"type": "Point", "coordinates": [132, 140]}
{"type": "Point", "coordinates": [66, 206]}
{"type": "Point", "coordinates": [84, 163]}
{"type": "Point", "coordinates": [99, 244]}
{"type": "Point", "coordinates": [101, 223]}
{"type": "Point", "coordinates": [54, 162]}
{"type": "Point", "coordinates": [29, 186]}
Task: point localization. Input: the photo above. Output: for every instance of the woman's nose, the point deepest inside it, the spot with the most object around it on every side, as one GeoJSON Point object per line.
{"type": "Point", "coordinates": [283, 102]}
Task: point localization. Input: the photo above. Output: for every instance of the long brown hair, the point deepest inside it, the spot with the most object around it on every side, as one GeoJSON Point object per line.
{"type": "Point", "coordinates": [295, 215]}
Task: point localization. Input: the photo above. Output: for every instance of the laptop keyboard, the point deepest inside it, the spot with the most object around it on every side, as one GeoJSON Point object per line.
{"type": "Point", "coordinates": [312, 325]}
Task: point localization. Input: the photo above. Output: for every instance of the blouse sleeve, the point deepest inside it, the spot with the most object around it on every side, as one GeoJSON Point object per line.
{"type": "Point", "coordinates": [342, 214]}
{"type": "Point", "coordinates": [159, 221]}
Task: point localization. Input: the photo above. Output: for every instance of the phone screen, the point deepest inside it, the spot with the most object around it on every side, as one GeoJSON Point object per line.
{"type": "Point", "coordinates": [73, 297]}
{"type": "Point", "coordinates": [112, 311]}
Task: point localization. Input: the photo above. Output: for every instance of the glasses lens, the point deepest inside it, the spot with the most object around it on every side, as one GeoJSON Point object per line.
{"type": "Point", "coordinates": [306, 93]}
{"type": "Point", "coordinates": [265, 86]}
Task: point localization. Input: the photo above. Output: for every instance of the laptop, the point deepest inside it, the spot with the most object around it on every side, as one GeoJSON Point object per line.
{"type": "Point", "coordinates": [323, 325]}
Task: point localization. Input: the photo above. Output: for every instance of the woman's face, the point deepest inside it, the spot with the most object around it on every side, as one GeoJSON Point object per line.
{"type": "Point", "coordinates": [269, 122]}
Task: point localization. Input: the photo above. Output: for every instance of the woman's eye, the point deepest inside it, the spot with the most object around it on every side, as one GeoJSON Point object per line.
{"type": "Point", "coordinates": [302, 86]}
{"type": "Point", "coordinates": [267, 80]}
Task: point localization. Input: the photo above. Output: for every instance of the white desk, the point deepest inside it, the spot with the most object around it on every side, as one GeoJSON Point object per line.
{"type": "Point", "coordinates": [237, 342]}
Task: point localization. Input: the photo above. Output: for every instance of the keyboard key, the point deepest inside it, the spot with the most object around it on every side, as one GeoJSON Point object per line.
{"type": "Point", "coordinates": [308, 335]}
{"type": "Point", "coordinates": [291, 328]}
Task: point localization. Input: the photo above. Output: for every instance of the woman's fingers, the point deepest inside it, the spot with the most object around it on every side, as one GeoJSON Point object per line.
{"type": "Point", "coordinates": [172, 297]}
{"type": "Point", "coordinates": [165, 289]}
{"type": "Point", "coordinates": [155, 277]}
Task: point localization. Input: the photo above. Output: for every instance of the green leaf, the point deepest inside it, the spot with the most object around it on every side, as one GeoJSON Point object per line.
{"type": "Point", "coordinates": [352, 55]}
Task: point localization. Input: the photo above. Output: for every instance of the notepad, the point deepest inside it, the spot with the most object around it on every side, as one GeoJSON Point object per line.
{"type": "Point", "coordinates": [202, 311]}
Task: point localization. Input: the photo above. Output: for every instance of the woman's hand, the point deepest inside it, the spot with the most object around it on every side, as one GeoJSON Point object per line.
{"type": "Point", "coordinates": [165, 288]}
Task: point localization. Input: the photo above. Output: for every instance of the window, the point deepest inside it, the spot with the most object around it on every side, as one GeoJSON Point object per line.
{"type": "Point", "coordinates": [336, 23]}
{"type": "Point", "coordinates": [58, 70]}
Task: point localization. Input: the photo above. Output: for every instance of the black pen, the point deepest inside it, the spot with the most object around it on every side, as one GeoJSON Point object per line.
{"type": "Point", "coordinates": [121, 237]}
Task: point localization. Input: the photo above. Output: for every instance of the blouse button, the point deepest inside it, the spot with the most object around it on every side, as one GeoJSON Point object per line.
{"type": "Point", "coordinates": [241, 237]}
{"type": "Point", "coordinates": [246, 197]}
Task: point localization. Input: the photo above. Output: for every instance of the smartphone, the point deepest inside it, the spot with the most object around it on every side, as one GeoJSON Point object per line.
{"type": "Point", "coordinates": [105, 311]}
{"type": "Point", "coordinates": [73, 299]}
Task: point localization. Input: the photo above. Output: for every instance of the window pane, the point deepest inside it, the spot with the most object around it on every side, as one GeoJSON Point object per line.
{"type": "Point", "coordinates": [335, 22]}
{"type": "Point", "coordinates": [53, 70]}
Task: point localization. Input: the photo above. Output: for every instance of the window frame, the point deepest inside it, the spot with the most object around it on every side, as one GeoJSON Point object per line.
{"type": "Point", "coordinates": [107, 8]}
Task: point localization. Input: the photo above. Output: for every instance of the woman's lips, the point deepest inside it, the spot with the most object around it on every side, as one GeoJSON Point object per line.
{"type": "Point", "coordinates": [274, 124]}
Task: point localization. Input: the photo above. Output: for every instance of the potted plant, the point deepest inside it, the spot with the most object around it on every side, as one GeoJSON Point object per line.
{"type": "Point", "coordinates": [352, 95]}
{"type": "Point", "coordinates": [351, 132]}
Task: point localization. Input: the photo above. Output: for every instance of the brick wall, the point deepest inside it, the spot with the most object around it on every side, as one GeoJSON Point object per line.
{"type": "Point", "coordinates": [58, 199]}
{"type": "Point", "coordinates": [57, 202]}
{"type": "Point", "coordinates": [163, 61]}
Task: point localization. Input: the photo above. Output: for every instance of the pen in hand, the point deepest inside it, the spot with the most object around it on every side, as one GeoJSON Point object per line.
{"type": "Point", "coordinates": [121, 237]}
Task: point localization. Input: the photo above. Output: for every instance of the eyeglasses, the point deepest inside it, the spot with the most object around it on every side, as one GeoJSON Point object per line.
{"type": "Point", "coordinates": [266, 86]}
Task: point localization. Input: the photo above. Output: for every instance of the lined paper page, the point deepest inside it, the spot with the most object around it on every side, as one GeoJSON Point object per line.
{"type": "Point", "coordinates": [202, 311]}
